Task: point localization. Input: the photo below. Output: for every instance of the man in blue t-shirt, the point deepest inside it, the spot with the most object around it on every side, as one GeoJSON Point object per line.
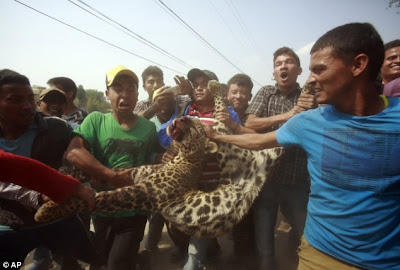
{"type": "Point", "coordinates": [352, 145]}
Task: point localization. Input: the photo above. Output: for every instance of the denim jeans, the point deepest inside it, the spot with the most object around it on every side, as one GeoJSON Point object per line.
{"type": "Point", "coordinates": [41, 254]}
{"type": "Point", "coordinates": [156, 225]}
{"type": "Point", "coordinates": [197, 252]}
{"type": "Point", "coordinates": [118, 240]}
{"type": "Point", "coordinates": [243, 237]}
{"type": "Point", "coordinates": [293, 200]}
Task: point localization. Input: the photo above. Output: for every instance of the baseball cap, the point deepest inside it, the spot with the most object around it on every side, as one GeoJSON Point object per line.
{"type": "Point", "coordinates": [195, 72]}
{"type": "Point", "coordinates": [45, 92]}
{"type": "Point", "coordinates": [120, 70]}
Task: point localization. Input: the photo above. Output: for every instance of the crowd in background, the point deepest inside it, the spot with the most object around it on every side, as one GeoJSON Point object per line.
{"type": "Point", "coordinates": [337, 187]}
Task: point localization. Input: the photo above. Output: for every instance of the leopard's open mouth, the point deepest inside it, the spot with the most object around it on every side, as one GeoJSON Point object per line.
{"type": "Point", "coordinates": [177, 129]}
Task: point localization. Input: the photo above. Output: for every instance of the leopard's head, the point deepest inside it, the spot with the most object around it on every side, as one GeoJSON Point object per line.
{"type": "Point", "coordinates": [214, 87]}
{"type": "Point", "coordinates": [188, 135]}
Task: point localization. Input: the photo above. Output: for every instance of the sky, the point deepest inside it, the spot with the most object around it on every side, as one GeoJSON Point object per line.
{"type": "Point", "coordinates": [233, 36]}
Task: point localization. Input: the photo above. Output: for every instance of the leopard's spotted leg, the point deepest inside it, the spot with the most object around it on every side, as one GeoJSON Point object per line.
{"type": "Point", "coordinates": [215, 89]}
{"type": "Point", "coordinates": [152, 193]}
{"type": "Point", "coordinates": [137, 174]}
{"type": "Point", "coordinates": [141, 173]}
{"type": "Point", "coordinates": [51, 210]}
{"type": "Point", "coordinates": [139, 196]}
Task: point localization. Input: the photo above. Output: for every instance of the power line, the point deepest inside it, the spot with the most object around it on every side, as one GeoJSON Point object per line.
{"type": "Point", "coordinates": [226, 24]}
{"type": "Point", "coordinates": [129, 32]}
{"type": "Point", "coordinates": [97, 38]}
{"type": "Point", "coordinates": [198, 35]}
{"type": "Point", "coordinates": [230, 29]}
{"type": "Point", "coordinates": [180, 20]}
{"type": "Point", "coordinates": [239, 19]}
{"type": "Point", "coordinates": [170, 14]}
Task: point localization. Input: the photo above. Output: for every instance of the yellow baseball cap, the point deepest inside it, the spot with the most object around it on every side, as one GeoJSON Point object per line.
{"type": "Point", "coordinates": [119, 70]}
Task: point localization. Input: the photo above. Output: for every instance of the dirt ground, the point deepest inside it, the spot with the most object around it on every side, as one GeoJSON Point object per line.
{"type": "Point", "coordinates": [165, 259]}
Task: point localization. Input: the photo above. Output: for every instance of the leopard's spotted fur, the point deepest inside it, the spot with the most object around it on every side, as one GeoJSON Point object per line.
{"type": "Point", "coordinates": [172, 190]}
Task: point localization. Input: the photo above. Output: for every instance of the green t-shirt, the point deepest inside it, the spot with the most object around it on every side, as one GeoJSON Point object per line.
{"type": "Point", "coordinates": [116, 147]}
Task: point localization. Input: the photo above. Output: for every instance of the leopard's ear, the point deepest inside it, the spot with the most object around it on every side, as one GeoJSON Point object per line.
{"type": "Point", "coordinates": [211, 147]}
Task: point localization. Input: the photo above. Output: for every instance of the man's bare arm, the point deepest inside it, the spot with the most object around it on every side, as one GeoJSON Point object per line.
{"type": "Point", "coordinates": [162, 97]}
{"type": "Point", "coordinates": [243, 130]}
{"type": "Point", "coordinates": [78, 155]}
{"type": "Point", "coordinates": [225, 118]}
{"type": "Point", "coordinates": [149, 112]}
{"type": "Point", "coordinates": [251, 141]}
{"type": "Point", "coordinates": [259, 124]}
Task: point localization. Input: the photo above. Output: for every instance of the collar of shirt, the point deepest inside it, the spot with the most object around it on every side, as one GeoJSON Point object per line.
{"type": "Point", "coordinates": [193, 111]}
{"type": "Point", "coordinates": [276, 90]}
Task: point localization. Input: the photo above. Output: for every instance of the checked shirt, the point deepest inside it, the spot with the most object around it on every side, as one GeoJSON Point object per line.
{"type": "Point", "coordinates": [270, 101]}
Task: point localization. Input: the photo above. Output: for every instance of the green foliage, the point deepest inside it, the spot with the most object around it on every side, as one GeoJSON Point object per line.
{"type": "Point", "coordinates": [394, 3]}
{"type": "Point", "coordinates": [81, 99]}
{"type": "Point", "coordinates": [96, 101]}
{"type": "Point", "coordinates": [36, 91]}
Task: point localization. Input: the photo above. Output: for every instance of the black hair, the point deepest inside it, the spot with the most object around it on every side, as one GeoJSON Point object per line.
{"type": "Point", "coordinates": [288, 51]}
{"type": "Point", "coordinates": [152, 70]}
{"type": "Point", "coordinates": [66, 83]}
{"type": "Point", "coordinates": [224, 88]}
{"type": "Point", "coordinates": [241, 80]}
{"type": "Point", "coordinates": [8, 76]}
{"type": "Point", "coordinates": [349, 40]}
{"type": "Point", "coordinates": [392, 44]}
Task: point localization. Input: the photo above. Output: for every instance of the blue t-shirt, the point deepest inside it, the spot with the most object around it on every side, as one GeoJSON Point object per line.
{"type": "Point", "coordinates": [354, 204]}
{"type": "Point", "coordinates": [23, 145]}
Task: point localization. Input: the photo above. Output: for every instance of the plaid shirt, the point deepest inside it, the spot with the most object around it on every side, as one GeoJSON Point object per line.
{"type": "Point", "coordinates": [270, 101]}
{"type": "Point", "coordinates": [76, 116]}
{"type": "Point", "coordinates": [145, 104]}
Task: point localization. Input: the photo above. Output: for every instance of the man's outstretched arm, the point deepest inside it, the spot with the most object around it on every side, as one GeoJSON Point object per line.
{"type": "Point", "coordinates": [251, 141]}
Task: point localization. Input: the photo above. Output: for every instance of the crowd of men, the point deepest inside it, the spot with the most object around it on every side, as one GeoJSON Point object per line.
{"type": "Point", "coordinates": [338, 186]}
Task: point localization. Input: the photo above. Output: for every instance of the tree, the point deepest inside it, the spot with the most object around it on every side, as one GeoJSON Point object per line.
{"type": "Point", "coordinates": [81, 99]}
{"type": "Point", "coordinates": [394, 3]}
{"type": "Point", "coordinates": [96, 101]}
{"type": "Point", "coordinates": [36, 91]}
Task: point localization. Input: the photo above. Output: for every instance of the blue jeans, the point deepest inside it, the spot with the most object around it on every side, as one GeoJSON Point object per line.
{"type": "Point", "coordinates": [41, 255]}
{"type": "Point", "coordinates": [156, 225]}
{"type": "Point", "coordinates": [293, 202]}
{"type": "Point", "coordinates": [197, 252]}
{"type": "Point", "coordinates": [118, 240]}
{"type": "Point", "coordinates": [67, 236]}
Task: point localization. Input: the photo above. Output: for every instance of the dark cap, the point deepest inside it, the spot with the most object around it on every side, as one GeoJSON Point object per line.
{"type": "Point", "coordinates": [47, 91]}
{"type": "Point", "coordinates": [194, 73]}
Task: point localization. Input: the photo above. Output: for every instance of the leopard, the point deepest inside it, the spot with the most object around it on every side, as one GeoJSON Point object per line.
{"type": "Point", "coordinates": [172, 189]}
